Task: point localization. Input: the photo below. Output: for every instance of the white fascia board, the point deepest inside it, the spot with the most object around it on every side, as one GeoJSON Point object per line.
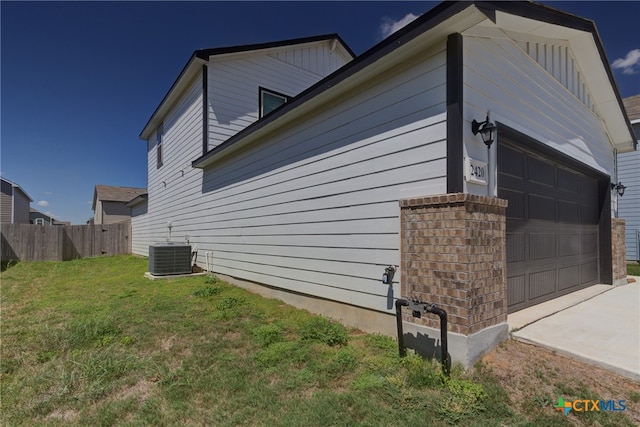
{"type": "Point", "coordinates": [428, 39]}
{"type": "Point", "coordinates": [193, 69]}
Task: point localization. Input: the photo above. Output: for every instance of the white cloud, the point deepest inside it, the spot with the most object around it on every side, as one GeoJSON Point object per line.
{"type": "Point", "coordinates": [390, 26]}
{"type": "Point", "coordinates": [48, 193]}
{"type": "Point", "coordinates": [42, 203]}
{"type": "Point", "coordinates": [630, 64]}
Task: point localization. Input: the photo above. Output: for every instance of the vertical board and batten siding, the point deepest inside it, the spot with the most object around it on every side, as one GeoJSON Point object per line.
{"type": "Point", "coordinates": [558, 60]}
{"type": "Point", "coordinates": [314, 209]}
{"type": "Point", "coordinates": [629, 204]}
{"type": "Point", "coordinates": [319, 59]}
{"type": "Point", "coordinates": [505, 80]}
{"type": "Point", "coordinates": [234, 81]}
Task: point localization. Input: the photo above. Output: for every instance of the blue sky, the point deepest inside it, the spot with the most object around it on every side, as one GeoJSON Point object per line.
{"type": "Point", "coordinates": [79, 80]}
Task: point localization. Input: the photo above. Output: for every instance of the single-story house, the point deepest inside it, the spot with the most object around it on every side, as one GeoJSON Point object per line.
{"type": "Point", "coordinates": [472, 151]}
{"type": "Point", "coordinates": [628, 166]}
{"type": "Point", "coordinates": [14, 203]}
{"type": "Point", "coordinates": [110, 203]}
{"type": "Point", "coordinates": [39, 218]}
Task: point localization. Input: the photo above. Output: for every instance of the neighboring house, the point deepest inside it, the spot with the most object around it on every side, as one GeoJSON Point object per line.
{"type": "Point", "coordinates": [38, 218]}
{"type": "Point", "coordinates": [110, 203]}
{"type": "Point", "coordinates": [628, 167]}
{"type": "Point", "coordinates": [376, 164]}
{"type": "Point", "coordinates": [14, 203]}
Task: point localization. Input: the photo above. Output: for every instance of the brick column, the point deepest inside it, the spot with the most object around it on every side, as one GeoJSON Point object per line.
{"type": "Point", "coordinates": [618, 251]}
{"type": "Point", "coordinates": [453, 253]}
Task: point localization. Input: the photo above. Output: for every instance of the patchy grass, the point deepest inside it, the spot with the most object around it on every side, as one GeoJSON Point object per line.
{"type": "Point", "coordinates": [633, 269]}
{"type": "Point", "coordinates": [91, 342]}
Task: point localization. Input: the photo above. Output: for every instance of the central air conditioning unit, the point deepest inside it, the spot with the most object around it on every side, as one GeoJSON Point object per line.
{"type": "Point", "coordinates": [169, 258]}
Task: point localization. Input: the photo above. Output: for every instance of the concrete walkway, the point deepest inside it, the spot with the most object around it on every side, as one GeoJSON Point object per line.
{"type": "Point", "coordinates": [599, 325]}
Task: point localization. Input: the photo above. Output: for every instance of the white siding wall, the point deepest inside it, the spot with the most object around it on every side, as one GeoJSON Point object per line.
{"type": "Point", "coordinates": [176, 182]}
{"type": "Point", "coordinates": [139, 229]}
{"type": "Point", "coordinates": [502, 78]}
{"type": "Point", "coordinates": [315, 208]}
{"type": "Point", "coordinates": [629, 204]}
{"type": "Point", "coordinates": [233, 83]}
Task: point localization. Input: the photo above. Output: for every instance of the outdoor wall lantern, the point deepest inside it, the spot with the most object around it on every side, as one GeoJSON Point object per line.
{"type": "Point", "coordinates": [486, 129]}
{"type": "Point", "coordinates": [619, 188]}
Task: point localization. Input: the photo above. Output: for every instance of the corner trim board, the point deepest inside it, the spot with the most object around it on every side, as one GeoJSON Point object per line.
{"type": "Point", "coordinates": [455, 100]}
{"type": "Point", "coordinates": [205, 110]}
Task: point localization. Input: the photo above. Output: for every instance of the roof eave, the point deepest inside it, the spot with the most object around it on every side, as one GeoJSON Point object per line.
{"type": "Point", "coordinates": [190, 70]}
{"type": "Point", "coordinates": [137, 200]}
{"type": "Point", "coordinates": [615, 115]}
{"type": "Point", "coordinates": [201, 57]}
{"type": "Point", "coordinates": [299, 104]}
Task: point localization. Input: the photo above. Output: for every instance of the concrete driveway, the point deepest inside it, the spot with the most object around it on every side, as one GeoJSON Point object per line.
{"type": "Point", "coordinates": [599, 325]}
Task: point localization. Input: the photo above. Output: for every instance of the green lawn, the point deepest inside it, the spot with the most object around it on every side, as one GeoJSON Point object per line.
{"type": "Point", "coordinates": [92, 342]}
{"type": "Point", "coordinates": [633, 269]}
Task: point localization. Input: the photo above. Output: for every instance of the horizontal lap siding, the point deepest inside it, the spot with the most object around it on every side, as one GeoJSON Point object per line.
{"type": "Point", "coordinates": [140, 225]}
{"type": "Point", "coordinates": [233, 84]}
{"type": "Point", "coordinates": [502, 78]}
{"type": "Point", "coordinates": [314, 208]}
{"type": "Point", "coordinates": [176, 181]}
{"type": "Point", "coordinates": [629, 204]}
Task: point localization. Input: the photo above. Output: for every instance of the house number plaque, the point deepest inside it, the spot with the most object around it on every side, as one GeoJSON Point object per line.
{"type": "Point", "coordinates": [475, 171]}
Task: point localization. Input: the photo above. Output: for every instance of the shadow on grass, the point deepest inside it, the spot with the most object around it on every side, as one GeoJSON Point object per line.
{"type": "Point", "coordinates": [7, 264]}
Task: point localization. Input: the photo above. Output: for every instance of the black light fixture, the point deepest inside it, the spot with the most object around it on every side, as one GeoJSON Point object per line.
{"type": "Point", "coordinates": [619, 188]}
{"type": "Point", "coordinates": [486, 130]}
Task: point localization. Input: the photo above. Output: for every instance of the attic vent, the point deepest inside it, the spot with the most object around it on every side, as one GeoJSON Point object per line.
{"type": "Point", "coordinates": [169, 258]}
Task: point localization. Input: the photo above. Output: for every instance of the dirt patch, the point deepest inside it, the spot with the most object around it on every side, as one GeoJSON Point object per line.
{"type": "Point", "coordinates": [67, 416]}
{"type": "Point", "coordinates": [140, 390]}
{"type": "Point", "coordinates": [533, 375]}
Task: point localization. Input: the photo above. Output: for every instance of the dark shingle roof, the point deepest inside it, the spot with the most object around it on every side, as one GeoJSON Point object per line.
{"type": "Point", "coordinates": [116, 194]}
{"type": "Point", "coordinates": [632, 105]}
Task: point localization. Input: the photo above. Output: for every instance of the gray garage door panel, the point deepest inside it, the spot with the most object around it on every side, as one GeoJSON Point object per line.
{"type": "Point", "coordinates": [552, 227]}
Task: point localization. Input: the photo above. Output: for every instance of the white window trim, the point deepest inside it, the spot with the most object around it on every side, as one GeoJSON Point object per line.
{"type": "Point", "coordinates": [262, 91]}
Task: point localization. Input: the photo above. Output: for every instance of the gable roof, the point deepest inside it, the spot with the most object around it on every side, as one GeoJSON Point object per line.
{"type": "Point", "coordinates": [434, 26]}
{"type": "Point", "coordinates": [200, 57]}
{"type": "Point", "coordinates": [632, 104]}
{"type": "Point", "coordinates": [16, 186]}
{"type": "Point", "coordinates": [47, 217]}
{"type": "Point", "coordinates": [115, 194]}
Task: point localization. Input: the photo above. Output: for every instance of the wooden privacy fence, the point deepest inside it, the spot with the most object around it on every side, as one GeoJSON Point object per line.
{"type": "Point", "coordinates": [28, 242]}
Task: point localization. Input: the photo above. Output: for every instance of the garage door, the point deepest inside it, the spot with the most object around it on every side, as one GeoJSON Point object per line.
{"type": "Point", "coordinates": [552, 226]}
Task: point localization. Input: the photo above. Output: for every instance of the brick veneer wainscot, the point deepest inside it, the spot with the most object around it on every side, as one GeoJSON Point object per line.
{"type": "Point", "coordinates": [453, 253]}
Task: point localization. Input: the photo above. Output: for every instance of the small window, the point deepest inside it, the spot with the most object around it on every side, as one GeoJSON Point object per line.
{"type": "Point", "coordinates": [39, 221]}
{"type": "Point", "coordinates": [270, 100]}
{"type": "Point", "coordinates": [159, 134]}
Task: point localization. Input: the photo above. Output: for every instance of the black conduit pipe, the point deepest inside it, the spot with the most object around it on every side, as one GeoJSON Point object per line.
{"type": "Point", "coordinates": [399, 304]}
{"type": "Point", "coordinates": [444, 350]}
{"type": "Point", "coordinates": [429, 308]}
